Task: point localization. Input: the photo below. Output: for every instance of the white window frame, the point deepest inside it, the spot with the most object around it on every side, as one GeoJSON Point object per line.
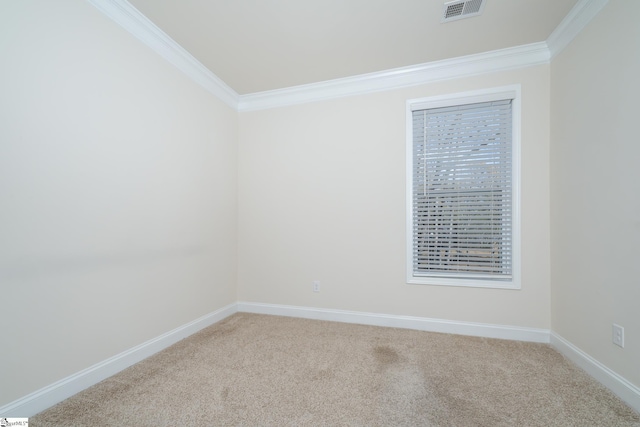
{"type": "Point", "coordinates": [484, 95]}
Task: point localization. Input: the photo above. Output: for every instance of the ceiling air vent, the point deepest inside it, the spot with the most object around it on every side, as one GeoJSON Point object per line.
{"type": "Point", "coordinates": [459, 9]}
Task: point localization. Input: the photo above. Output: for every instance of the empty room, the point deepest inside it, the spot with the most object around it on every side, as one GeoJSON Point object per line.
{"type": "Point", "coordinates": [304, 212]}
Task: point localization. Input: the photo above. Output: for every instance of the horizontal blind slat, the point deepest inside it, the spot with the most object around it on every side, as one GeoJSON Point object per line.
{"type": "Point", "coordinates": [462, 192]}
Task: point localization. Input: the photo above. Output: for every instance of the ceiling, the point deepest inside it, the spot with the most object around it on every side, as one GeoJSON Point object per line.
{"type": "Point", "coordinates": [261, 45]}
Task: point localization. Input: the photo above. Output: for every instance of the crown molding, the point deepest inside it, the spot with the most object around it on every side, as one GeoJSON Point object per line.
{"type": "Point", "coordinates": [578, 18]}
{"type": "Point", "coordinates": [127, 16]}
{"type": "Point", "coordinates": [465, 66]}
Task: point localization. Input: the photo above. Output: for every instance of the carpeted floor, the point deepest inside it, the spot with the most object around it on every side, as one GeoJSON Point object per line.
{"type": "Point", "coordinates": [257, 370]}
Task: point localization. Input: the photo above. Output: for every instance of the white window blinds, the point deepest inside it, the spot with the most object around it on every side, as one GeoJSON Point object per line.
{"type": "Point", "coordinates": [462, 191]}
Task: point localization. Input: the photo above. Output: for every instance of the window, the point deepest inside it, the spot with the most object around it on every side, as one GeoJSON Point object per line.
{"type": "Point", "coordinates": [463, 157]}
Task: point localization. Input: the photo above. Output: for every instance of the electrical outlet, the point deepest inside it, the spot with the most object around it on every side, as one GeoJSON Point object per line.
{"type": "Point", "coordinates": [618, 335]}
{"type": "Point", "coordinates": [316, 286]}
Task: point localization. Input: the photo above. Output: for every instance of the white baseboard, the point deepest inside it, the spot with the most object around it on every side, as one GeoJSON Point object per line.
{"type": "Point", "coordinates": [614, 382]}
{"type": "Point", "coordinates": [57, 392]}
{"type": "Point", "coordinates": [516, 333]}
{"type": "Point", "coordinates": [48, 396]}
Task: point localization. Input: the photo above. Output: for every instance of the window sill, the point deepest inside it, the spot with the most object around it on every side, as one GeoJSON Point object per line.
{"type": "Point", "coordinates": [468, 283]}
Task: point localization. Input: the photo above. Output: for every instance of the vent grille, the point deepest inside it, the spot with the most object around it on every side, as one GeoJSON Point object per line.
{"type": "Point", "coordinates": [460, 9]}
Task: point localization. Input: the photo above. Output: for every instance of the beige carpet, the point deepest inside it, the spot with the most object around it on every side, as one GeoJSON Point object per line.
{"type": "Point", "coordinates": [256, 370]}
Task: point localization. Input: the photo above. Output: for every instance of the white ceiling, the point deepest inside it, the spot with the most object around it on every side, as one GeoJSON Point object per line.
{"type": "Point", "coordinates": [260, 45]}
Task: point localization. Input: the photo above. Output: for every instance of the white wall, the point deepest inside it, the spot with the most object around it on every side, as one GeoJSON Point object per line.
{"type": "Point", "coordinates": [322, 197]}
{"type": "Point", "coordinates": [595, 181]}
{"type": "Point", "coordinates": [117, 194]}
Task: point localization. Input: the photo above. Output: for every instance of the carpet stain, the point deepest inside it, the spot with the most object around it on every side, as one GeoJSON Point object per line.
{"type": "Point", "coordinates": [385, 355]}
{"type": "Point", "coordinates": [323, 374]}
{"type": "Point", "coordinates": [224, 394]}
